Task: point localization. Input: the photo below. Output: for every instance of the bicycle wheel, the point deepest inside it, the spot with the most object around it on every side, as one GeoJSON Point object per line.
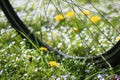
{"type": "Point", "coordinates": [67, 28]}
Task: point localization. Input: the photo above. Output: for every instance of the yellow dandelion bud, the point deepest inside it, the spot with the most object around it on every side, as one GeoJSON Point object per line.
{"type": "Point", "coordinates": [70, 14]}
{"type": "Point", "coordinates": [118, 38]}
{"type": "Point", "coordinates": [59, 17]}
{"type": "Point", "coordinates": [53, 64]}
{"type": "Point", "coordinates": [43, 49]}
{"type": "Point", "coordinates": [75, 29]}
{"type": "Point", "coordinates": [29, 57]}
{"type": "Point", "coordinates": [95, 19]}
{"type": "Point", "coordinates": [85, 12]}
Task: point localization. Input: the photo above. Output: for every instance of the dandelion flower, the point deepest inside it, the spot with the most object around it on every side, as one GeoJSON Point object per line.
{"type": "Point", "coordinates": [85, 12]}
{"type": "Point", "coordinates": [70, 14]}
{"type": "Point", "coordinates": [29, 57]}
{"type": "Point", "coordinates": [43, 49]}
{"type": "Point", "coordinates": [53, 64]}
{"type": "Point", "coordinates": [59, 17]}
{"type": "Point", "coordinates": [75, 29]}
{"type": "Point", "coordinates": [118, 38]}
{"type": "Point", "coordinates": [95, 19]}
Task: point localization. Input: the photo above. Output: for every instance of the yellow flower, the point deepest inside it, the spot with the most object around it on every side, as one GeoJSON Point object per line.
{"type": "Point", "coordinates": [95, 19]}
{"type": "Point", "coordinates": [85, 12]}
{"type": "Point", "coordinates": [70, 14]}
{"type": "Point", "coordinates": [43, 49]}
{"type": "Point", "coordinates": [118, 38]}
{"type": "Point", "coordinates": [59, 17]}
{"type": "Point", "coordinates": [75, 29]}
{"type": "Point", "coordinates": [29, 57]}
{"type": "Point", "coordinates": [53, 63]}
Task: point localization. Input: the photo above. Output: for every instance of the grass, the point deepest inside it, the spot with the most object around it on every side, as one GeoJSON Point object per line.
{"type": "Point", "coordinates": [18, 60]}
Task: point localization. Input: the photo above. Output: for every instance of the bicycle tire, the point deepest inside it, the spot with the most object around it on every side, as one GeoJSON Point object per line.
{"type": "Point", "coordinates": [112, 55]}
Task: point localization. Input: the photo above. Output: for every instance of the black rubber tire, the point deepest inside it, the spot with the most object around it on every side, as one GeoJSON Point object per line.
{"type": "Point", "coordinates": [112, 56]}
